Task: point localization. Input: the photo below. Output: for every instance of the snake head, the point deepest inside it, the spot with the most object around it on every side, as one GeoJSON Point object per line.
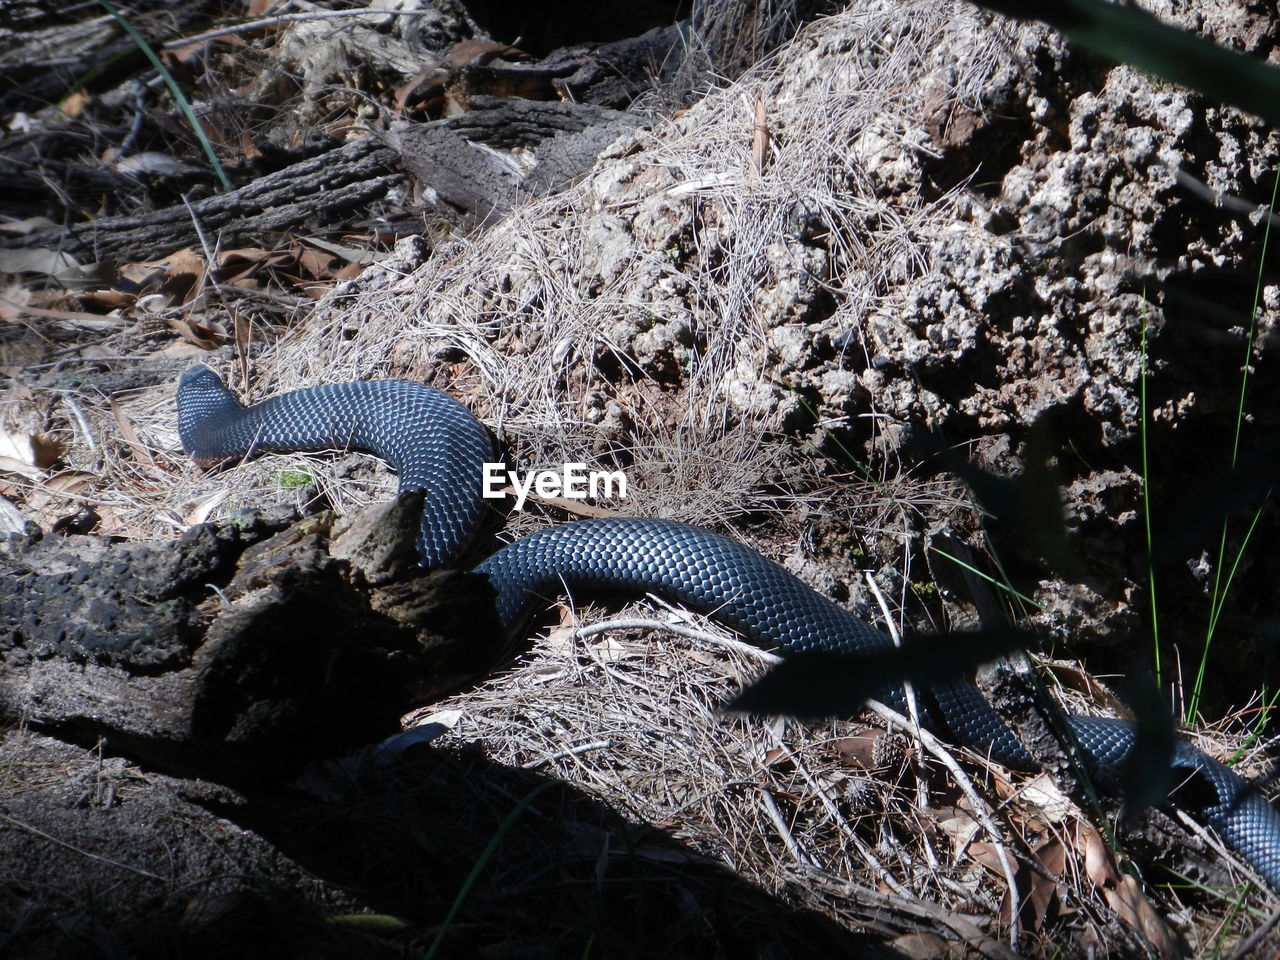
{"type": "Point", "coordinates": [203, 402]}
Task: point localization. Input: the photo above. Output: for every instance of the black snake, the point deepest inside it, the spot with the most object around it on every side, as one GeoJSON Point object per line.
{"type": "Point", "coordinates": [436, 445]}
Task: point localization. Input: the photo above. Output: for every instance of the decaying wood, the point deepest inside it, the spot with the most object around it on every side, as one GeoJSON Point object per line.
{"type": "Point", "coordinates": [46, 49]}
{"type": "Point", "coordinates": [319, 190]}
{"type": "Point", "coordinates": [560, 140]}
{"type": "Point", "coordinates": [238, 648]}
{"type": "Point", "coordinates": [326, 189]}
{"type": "Point", "coordinates": [606, 74]}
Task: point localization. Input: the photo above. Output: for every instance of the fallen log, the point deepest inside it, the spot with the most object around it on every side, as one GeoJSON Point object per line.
{"type": "Point", "coordinates": [239, 650]}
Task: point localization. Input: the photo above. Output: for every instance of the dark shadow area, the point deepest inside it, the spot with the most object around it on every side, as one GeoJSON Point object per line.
{"type": "Point", "coordinates": [539, 28]}
{"type": "Point", "coordinates": [372, 870]}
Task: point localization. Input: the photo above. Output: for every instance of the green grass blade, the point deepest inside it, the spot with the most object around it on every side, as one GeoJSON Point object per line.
{"type": "Point", "coordinates": [1221, 587]}
{"type": "Point", "coordinates": [991, 580]}
{"type": "Point", "coordinates": [1145, 411]}
{"type": "Point", "coordinates": [848, 454]}
{"type": "Point", "coordinates": [1219, 601]}
{"type": "Point", "coordinates": [174, 90]}
{"type": "Point", "coordinates": [490, 850]}
{"type": "Point", "coordinates": [1130, 35]}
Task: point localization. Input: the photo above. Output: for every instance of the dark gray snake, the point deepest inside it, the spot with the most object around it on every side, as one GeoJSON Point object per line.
{"type": "Point", "coordinates": [436, 445]}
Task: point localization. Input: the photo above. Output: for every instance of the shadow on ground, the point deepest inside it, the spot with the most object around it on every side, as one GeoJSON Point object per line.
{"type": "Point", "coordinates": [104, 860]}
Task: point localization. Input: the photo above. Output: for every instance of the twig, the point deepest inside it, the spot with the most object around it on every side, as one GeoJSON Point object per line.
{"type": "Point", "coordinates": [74, 849]}
{"type": "Point", "coordinates": [759, 138]}
{"type": "Point", "coordinates": [80, 419]}
{"type": "Point", "coordinates": [913, 710]}
{"type": "Point", "coordinates": [926, 740]}
{"type": "Point", "coordinates": [690, 633]}
{"type": "Point", "coordinates": [833, 812]}
{"type": "Point", "coordinates": [1211, 840]}
{"type": "Point", "coordinates": [908, 691]}
{"type": "Point", "coordinates": [1252, 941]}
{"type": "Point", "coordinates": [935, 747]}
{"type": "Point", "coordinates": [913, 907]}
{"type": "Point", "coordinates": [797, 852]}
{"type": "Point", "coordinates": [570, 752]}
{"type": "Point", "coordinates": [139, 114]}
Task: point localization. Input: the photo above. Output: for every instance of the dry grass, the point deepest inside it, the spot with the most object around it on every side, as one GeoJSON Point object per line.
{"type": "Point", "coordinates": [523, 322]}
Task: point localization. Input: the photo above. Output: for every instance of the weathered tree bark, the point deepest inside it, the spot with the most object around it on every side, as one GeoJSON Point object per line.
{"type": "Point", "coordinates": [605, 74]}
{"type": "Point", "coordinates": [47, 49]}
{"type": "Point", "coordinates": [563, 138]}
{"type": "Point", "coordinates": [320, 190]}
{"type": "Point", "coordinates": [325, 190]}
{"type": "Point", "coordinates": [237, 649]}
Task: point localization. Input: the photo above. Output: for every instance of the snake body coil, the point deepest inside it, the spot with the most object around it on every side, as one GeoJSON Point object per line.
{"type": "Point", "coordinates": [437, 446]}
{"type": "Point", "coordinates": [431, 440]}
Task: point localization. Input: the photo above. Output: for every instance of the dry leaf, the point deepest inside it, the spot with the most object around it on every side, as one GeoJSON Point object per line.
{"type": "Point", "coordinates": [362, 256]}
{"type": "Point", "coordinates": [441, 718]}
{"type": "Point", "coordinates": [29, 454]}
{"type": "Point", "coordinates": [14, 465]}
{"type": "Point", "coordinates": [1086, 683]}
{"type": "Point", "coordinates": [130, 435]}
{"type": "Point", "coordinates": [54, 498]}
{"type": "Point", "coordinates": [316, 289]}
{"type": "Point", "coordinates": [12, 300]}
{"type": "Point", "coordinates": [610, 650]}
{"type": "Point", "coordinates": [961, 827]}
{"type": "Point", "coordinates": [205, 506]}
{"type": "Point", "coordinates": [242, 329]}
{"type": "Point", "coordinates": [1124, 895]}
{"type": "Point", "coordinates": [1045, 794]}
{"type": "Point", "coordinates": [422, 88]}
{"type": "Point", "coordinates": [206, 336]}
{"type": "Point", "coordinates": [150, 163]}
{"type": "Point", "coordinates": [759, 138]}
{"type": "Point", "coordinates": [176, 276]}
{"type": "Point", "coordinates": [74, 318]}
{"type": "Point", "coordinates": [319, 263]}
{"type": "Point", "coordinates": [986, 854]}
{"type": "Point", "coordinates": [563, 637]}
{"type": "Point", "coordinates": [11, 518]}
{"type": "Point", "coordinates": [45, 450]}
{"type": "Point", "coordinates": [178, 349]}
{"type": "Point", "coordinates": [21, 228]}
{"type": "Point", "coordinates": [39, 260]}
{"type": "Point", "coordinates": [927, 946]}
{"type": "Point", "coordinates": [1043, 891]}
{"type": "Point", "coordinates": [73, 103]}
{"type": "Point", "coordinates": [239, 263]}
{"type": "Point", "coordinates": [1133, 908]}
{"type": "Point", "coordinates": [471, 51]}
{"type": "Point", "coordinates": [17, 446]}
{"type": "Point", "coordinates": [108, 299]}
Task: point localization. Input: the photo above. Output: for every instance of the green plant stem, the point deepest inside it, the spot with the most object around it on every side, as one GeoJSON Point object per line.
{"type": "Point", "coordinates": [490, 850]}
{"type": "Point", "coordinates": [174, 90]}
{"type": "Point", "coordinates": [1221, 588]}
{"type": "Point", "coordinates": [1146, 505]}
{"type": "Point", "coordinates": [857, 464]}
{"type": "Point", "coordinates": [991, 580]}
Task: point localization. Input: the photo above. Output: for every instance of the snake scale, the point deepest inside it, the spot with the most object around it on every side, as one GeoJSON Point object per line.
{"type": "Point", "coordinates": [436, 445]}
